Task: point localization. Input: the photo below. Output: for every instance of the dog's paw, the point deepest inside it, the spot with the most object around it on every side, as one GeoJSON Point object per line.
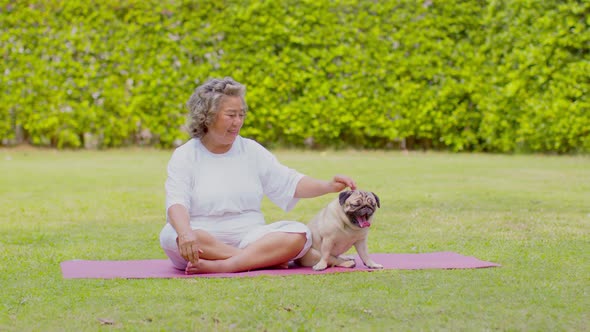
{"type": "Point", "coordinates": [374, 266]}
{"type": "Point", "coordinates": [320, 266]}
{"type": "Point", "coordinates": [346, 257]}
{"type": "Point", "coordinates": [348, 264]}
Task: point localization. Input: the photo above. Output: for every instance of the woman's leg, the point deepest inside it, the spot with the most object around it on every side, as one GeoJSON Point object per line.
{"type": "Point", "coordinates": [212, 248]}
{"type": "Point", "coordinates": [272, 249]}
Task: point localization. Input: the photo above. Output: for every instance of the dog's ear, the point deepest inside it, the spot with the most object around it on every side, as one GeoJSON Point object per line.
{"type": "Point", "coordinates": [344, 196]}
{"type": "Point", "coordinates": [377, 199]}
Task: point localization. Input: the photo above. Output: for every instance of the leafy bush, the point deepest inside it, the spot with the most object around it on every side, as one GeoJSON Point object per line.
{"type": "Point", "coordinates": [453, 75]}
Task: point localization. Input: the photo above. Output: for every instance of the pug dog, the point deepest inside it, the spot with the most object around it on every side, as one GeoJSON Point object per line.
{"type": "Point", "coordinates": [344, 222]}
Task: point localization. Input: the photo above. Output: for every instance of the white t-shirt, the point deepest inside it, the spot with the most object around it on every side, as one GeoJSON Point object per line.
{"type": "Point", "coordinates": [227, 189]}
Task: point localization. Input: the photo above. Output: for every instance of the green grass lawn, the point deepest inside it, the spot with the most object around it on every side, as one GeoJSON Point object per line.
{"type": "Point", "coordinates": [529, 213]}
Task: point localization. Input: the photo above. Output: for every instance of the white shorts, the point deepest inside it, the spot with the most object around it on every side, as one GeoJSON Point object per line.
{"type": "Point", "coordinates": [239, 239]}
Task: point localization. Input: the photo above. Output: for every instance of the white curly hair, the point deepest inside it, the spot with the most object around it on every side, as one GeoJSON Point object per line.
{"type": "Point", "coordinates": [203, 104]}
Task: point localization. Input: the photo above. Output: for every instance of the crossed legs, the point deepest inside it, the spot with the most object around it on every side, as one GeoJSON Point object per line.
{"type": "Point", "coordinates": [273, 249]}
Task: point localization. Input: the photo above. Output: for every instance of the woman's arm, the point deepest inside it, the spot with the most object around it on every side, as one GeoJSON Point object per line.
{"type": "Point", "coordinates": [187, 239]}
{"type": "Point", "coordinates": [309, 187]}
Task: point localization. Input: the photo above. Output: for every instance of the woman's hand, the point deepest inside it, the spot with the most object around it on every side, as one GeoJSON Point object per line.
{"type": "Point", "coordinates": [309, 187]}
{"type": "Point", "coordinates": [188, 246]}
{"type": "Point", "coordinates": [340, 182]}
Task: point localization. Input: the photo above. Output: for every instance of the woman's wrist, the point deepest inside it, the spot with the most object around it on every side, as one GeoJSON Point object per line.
{"type": "Point", "coordinates": [184, 234]}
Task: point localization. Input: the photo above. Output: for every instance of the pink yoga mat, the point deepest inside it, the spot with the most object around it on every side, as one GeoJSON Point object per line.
{"type": "Point", "coordinates": [161, 268]}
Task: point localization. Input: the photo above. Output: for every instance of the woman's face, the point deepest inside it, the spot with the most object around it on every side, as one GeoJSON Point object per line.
{"type": "Point", "coordinates": [228, 121]}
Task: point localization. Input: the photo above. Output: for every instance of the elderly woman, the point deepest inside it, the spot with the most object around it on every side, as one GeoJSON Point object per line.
{"type": "Point", "coordinates": [215, 185]}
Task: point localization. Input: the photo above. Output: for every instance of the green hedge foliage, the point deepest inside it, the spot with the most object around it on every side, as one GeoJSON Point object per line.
{"type": "Point", "coordinates": [498, 76]}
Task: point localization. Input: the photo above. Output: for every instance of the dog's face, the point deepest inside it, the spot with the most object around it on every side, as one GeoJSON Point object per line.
{"type": "Point", "coordinates": [359, 206]}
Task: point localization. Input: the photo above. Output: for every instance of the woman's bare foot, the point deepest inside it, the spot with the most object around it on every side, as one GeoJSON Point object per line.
{"type": "Point", "coordinates": [218, 266]}
{"type": "Point", "coordinates": [206, 266]}
{"type": "Point", "coordinates": [281, 266]}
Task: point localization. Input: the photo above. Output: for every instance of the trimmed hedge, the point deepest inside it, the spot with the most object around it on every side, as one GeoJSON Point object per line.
{"type": "Point", "coordinates": [453, 75]}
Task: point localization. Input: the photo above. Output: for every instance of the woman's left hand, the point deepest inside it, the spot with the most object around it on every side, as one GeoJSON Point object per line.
{"type": "Point", "coordinates": [310, 187]}
{"type": "Point", "coordinates": [340, 182]}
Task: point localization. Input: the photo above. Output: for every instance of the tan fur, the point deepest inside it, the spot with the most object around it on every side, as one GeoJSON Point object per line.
{"type": "Point", "coordinates": [333, 234]}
